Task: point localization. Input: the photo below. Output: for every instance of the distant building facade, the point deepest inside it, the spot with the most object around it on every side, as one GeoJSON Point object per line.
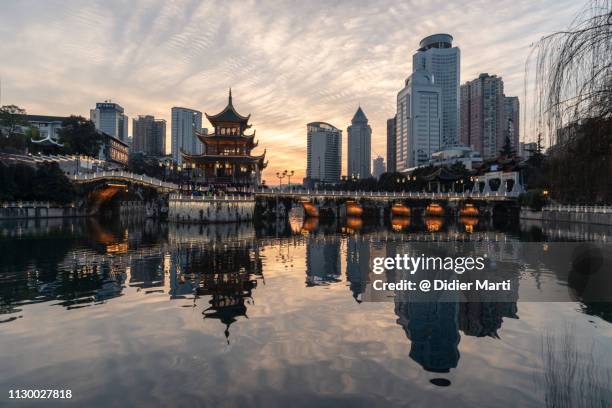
{"type": "Point", "coordinates": [324, 153]}
{"type": "Point", "coordinates": [391, 145]}
{"type": "Point", "coordinates": [437, 55]}
{"type": "Point", "coordinates": [418, 121]}
{"type": "Point", "coordinates": [108, 117]}
{"type": "Point", "coordinates": [359, 146]}
{"type": "Point", "coordinates": [379, 167]}
{"type": "Point", "coordinates": [48, 126]}
{"type": "Point", "coordinates": [113, 150]}
{"type": "Point", "coordinates": [456, 154]}
{"type": "Point", "coordinates": [526, 150]}
{"type": "Point", "coordinates": [186, 123]}
{"type": "Point", "coordinates": [482, 115]}
{"type": "Point", "coordinates": [149, 135]}
{"type": "Point", "coordinates": [512, 121]}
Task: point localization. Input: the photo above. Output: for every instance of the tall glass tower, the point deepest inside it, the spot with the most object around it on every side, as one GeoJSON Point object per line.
{"type": "Point", "coordinates": [437, 55]}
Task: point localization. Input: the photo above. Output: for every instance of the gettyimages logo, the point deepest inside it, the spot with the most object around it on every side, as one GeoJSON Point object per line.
{"type": "Point", "coordinates": [414, 264]}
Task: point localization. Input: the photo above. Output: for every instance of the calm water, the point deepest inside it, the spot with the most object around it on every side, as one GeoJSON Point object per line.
{"type": "Point", "coordinates": [146, 314]}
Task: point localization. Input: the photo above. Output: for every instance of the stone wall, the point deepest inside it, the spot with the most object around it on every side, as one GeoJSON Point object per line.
{"type": "Point", "coordinates": [210, 209]}
{"type": "Point", "coordinates": [34, 209]}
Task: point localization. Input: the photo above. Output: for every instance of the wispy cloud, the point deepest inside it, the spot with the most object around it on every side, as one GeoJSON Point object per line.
{"type": "Point", "coordinates": [288, 62]}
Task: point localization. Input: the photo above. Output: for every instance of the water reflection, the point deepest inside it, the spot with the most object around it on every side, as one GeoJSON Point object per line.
{"type": "Point", "coordinates": [218, 271]}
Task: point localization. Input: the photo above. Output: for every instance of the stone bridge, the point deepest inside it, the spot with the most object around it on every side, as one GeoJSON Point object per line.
{"type": "Point", "coordinates": [101, 188]}
{"type": "Point", "coordinates": [361, 203]}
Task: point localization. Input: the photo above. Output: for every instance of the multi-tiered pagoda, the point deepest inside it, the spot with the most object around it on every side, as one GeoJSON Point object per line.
{"type": "Point", "coordinates": [227, 159]}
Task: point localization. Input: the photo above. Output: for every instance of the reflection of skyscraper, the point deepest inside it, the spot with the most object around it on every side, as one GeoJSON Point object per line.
{"type": "Point", "coordinates": [433, 332]}
{"type": "Point", "coordinates": [484, 319]}
{"type": "Point", "coordinates": [357, 264]}
{"type": "Point", "coordinates": [322, 261]}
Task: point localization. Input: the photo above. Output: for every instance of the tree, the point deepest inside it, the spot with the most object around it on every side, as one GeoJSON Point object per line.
{"type": "Point", "coordinates": [12, 118]}
{"type": "Point", "coordinates": [79, 136]}
{"type": "Point", "coordinates": [51, 184]}
{"type": "Point", "coordinates": [507, 151]}
{"type": "Point", "coordinates": [573, 95]}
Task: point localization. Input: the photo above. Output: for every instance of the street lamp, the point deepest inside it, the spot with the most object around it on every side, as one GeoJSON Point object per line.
{"type": "Point", "coordinates": [280, 176]}
{"type": "Point", "coordinates": [289, 174]}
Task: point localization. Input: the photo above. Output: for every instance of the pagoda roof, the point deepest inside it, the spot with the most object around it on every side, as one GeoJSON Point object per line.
{"type": "Point", "coordinates": [212, 158]}
{"type": "Point", "coordinates": [229, 114]}
{"type": "Point", "coordinates": [212, 137]}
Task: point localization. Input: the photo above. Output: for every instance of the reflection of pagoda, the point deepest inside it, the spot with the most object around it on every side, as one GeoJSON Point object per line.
{"type": "Point", "coordinates": [227, 155]}
{"type": "Point", "coordinates": [228, 277]}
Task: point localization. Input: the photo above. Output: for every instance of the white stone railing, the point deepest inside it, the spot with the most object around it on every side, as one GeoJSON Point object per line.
{"type": "Point", "coordinates": [593, 209]}
{"type": "Point", "coordinates": [125, 175]}
{"type": "Point", "coordinates": [388, 194]}
{"type": "Point", "coordinates": [203, 198]}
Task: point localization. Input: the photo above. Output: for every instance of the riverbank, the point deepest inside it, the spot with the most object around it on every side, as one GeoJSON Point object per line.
{"type": "Point", "coordinates": [572, 214]}
{"type": "Point", "coordinates": [38, 209]}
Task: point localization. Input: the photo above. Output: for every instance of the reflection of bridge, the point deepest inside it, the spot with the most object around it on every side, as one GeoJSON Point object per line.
{"type": "Point", "coordinates": [124, 176]}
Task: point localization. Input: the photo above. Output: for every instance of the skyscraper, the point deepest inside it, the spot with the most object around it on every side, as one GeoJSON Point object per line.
{"type": "Point", "coordinates": [109, 118]}
{"type": "Point", "coordinates": [324, 152]}
{"type": "Point", "coordinates": [437, 55]}
{"type": "Point", "coordinates": [185, 123]}
{"type": "Point", "coordinates": [149, 135]}
{"type": "Point", "coordinates": [482, 115]}
{"type": "Point", "coordinates": [418, 121]}
{"type": "Point", "coordinates": [391, 146]}
{"type": "Point", "coordinates": [512, 121]}
{"type": "Point", "coordinates": [379, 167]}
{"type": "Point", "coordinates": [359, 146]}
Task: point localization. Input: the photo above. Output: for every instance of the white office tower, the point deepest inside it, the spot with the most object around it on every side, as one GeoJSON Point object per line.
{"type": "Point", "coordinates": [359, 146]}
{"type": "Point", "coordinates": [185, 123]}
{"type": "Point", "coordinates": [418, 121]}
{"type": "Point", "coordinates": [378, 167]}
{"type": "Point", "coordinates": [437, 55]}
{"type": "Point", "coordinates": [108, 117]}
{"type": "Point", "coordinates": [324, 152]}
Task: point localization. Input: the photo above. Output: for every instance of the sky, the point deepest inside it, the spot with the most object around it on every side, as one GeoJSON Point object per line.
{"type": "Point", "coordinates": [288, 62]}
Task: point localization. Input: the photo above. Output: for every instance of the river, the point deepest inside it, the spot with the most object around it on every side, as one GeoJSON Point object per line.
{"type": "Point", "coordinates": [142, 313]}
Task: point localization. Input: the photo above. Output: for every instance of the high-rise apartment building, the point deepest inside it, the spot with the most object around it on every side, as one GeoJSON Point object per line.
{"type": "Point", "coordinates": [109, 118]}
{"type": "Point", "coordinates": [359, 146]}
{"type": "Point", "coordinates": [391, 149]}
{"type": "Point", "coordinates": [185, 123]}
{"type": "Point", "coordinates": [324, 152]}
{"type": "Point", "coordinates": [437, 55]}
{"type": "Point", "coordinates": [483, 127]}
{"type": "Point", "coordinates": [149, 135]}
{"type": "Point", "coordinates": [418, 121]}
{"type": "Point", "coordinates": [378, 166]}
{"type": "Point", "coordinates": [512, 121]}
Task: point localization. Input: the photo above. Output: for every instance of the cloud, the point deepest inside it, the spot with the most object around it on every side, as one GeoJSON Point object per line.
{"type": "Point", "coordinates": [288, 63]}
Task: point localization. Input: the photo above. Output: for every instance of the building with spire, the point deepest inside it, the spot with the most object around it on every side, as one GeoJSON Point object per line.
{"type": "Point", "coordinates": [359, 146]}
{"type": "Point", "coordinates": [226, 159]}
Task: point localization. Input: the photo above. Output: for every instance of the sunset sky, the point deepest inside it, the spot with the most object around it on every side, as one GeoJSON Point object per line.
{"type": "Point", "coordinates": [288, 63]}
